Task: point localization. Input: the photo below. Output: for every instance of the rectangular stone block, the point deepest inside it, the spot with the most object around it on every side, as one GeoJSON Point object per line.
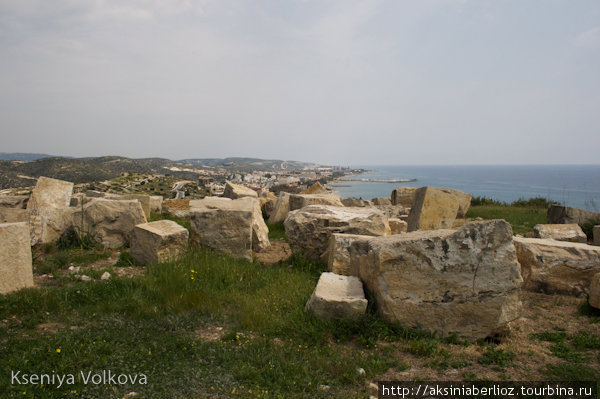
{"type": "Point", "coordinates": [16, 270]}
{"type": "Point", "coordinates": [223, 225]}
{"type": "Point", "coordinates": [338, 257]}
{"type": "Point", "coordinates": [560, 232]}
{"type": "Point", "coordinates": [337, 297]}
{"type": "Point", "coordinates": [158, 241]}
{"type": "Point", "coordinates": [596, 233]}
{"type": "Point", "coordinates": [557, 267]}
{"type": "Point", "coordinates": [437, 208]}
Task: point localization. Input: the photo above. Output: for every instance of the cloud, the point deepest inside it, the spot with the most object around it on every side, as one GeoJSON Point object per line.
{"type": "Point", "coordinates": [590, 38]}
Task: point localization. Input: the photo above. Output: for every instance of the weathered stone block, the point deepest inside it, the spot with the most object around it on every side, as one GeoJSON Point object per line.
{"type": "Point", "coordinates": [48, 208]}
{"type": "Point", "coordinates": [13, 201]}
{"type": "Point", "coordinates": [560, 232]}
{"type": "Point", "coordinates": [13, 215]}
{"type": "Point", "coordinates": [596, 233]}
{"type": "Point", "coordinates": [260, 231]}
{"type": "Point", "coordinates": [15, 257]}
{"type": "Point", "coordinates": [338, 257]}
{"type": "Point", "coordinates": [355, 202]}
{"type": "Point", "coordinates": [235, 191]}
{"type": "Point", "coordinates": [463, 281]}
{"type": "Point", "coordinates": [398, 226]}
{"type": "Point", "coordinates": [381, 201]}
{"type": "Point", "coordinates": [558, 214]}
{"type": "Point", "coordinates": [316, 188]}
{"type": "Point", "coordinates": [299, 201]}
{"type": "Point", "coordinates": [308, 229]}
{"type": "Point", "coordinates": [158, 241]}
{"type": "Point", "coordinates": [594, 299]}
{"type": "Point", "coordinates": [557, 267]}
{"type": "Point", "coordinates": [50, 193]}
{"type": "Point", "coordinates": [437, 208]}
{"type": "Point", "coordinates": [156, 203]}
{"type": "Point", "coordinates": [403, 196]}
{"type": "Point", "coordinates": [337, 297]}
{"type": "Point", "coordinates": [282, 207]}
{"type": "Point", "coordinates": [142, 198]}
{"type": "Point", "coordinates": [110, 222]}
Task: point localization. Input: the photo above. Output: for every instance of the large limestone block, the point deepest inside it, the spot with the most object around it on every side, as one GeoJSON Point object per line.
{"type": "Point", "coordinates": [355, 202]}
{"type": "Point", "coordinates": [299, 201]}
{"type": "Point", "coordinates": [394, 211]}
{"type": "Point", "coordinates": [235, 191]}
{"type": "Point", "coordinates": [398, 226]}
{"type": "Point", "coordinates": [463, 281]}
{"type": "Point", "coordinates": [15, 257]}
{"type": "Point", "coordinates": [437, 208]}
{"type": "Point", "coordinates": [49, 212]}
{"type": "Point", "coordinates": [403, 196]}
{"type": "Point", "coordinates": [13, 215]}
{"type": "Point", "coordinates": [337, 297]}
{"type": "Point", "coordinates": [156, 203]}
{"type": "Point", "coordinates": [381, 201]}
{"type": "Point", "coordinates": [338, 256]}
{"type": "Point", "coordinates": [13, 201]}
{"type": "Point", "coordinates": [557, 267]}
{"type": "Point", "coordinates": [158, 241]}
{"type": "Point", "coordinates": [49, 223]}
{"type": "Point", "coordinates": [596, 233]}
{"type": "Point", "coordinates": [282, 207]}
{"type": "Point", "coordinates": [560, 232]}
{"type": "Point", "coordinates": [50, 193]}
{"type": "Point", "coordinates": [144, 200]}
{"type": "Point", "coordinates": [110, 222]}
{"type": "Point", "coordinates": [594, 298]}
{"type": "Point", "coordinates": [308, 229]}
{"type": "Point", "coordinates": [316, 188]}
{"type": "Point", "coordinates": [267, 203]}
{"type": "Point", "coordinates": [177, 207]}
{"type": "Point", "coordinates": [223, 225]}
{"type": "Point", "coordinates": [558, 214]}
{"type": "Point", "coordinates": [260, 231]}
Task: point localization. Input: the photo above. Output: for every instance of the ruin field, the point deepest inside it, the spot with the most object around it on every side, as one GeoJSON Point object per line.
{"type": "Point", "coordinates": [207, 325]}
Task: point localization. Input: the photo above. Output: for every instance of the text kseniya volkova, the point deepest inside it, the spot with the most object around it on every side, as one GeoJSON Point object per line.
{"type": "Point", "coordinates": [96, 377]}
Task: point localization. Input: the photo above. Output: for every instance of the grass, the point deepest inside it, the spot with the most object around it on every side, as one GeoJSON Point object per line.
{"type": "Point", "coordinates": [184, 222]}
{"type": "Point", "coordinates": [276, 231]}
{"type": "Point", "coordinates": [523, 215]}
{"type": "Point", "coordinates": [153, 324]}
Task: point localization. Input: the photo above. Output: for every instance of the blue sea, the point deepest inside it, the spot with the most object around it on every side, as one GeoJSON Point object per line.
{"type": "Point", "coordinates": [572, 185]}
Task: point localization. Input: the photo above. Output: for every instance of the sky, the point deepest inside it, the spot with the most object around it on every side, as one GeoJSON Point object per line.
{"type": "Point", "coordinates": [340, 82]}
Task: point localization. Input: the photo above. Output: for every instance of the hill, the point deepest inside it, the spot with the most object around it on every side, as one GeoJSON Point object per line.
{"type": "Point", "coordinates": [247, 164]}
{"type": "Point", "coordinates": [81, 170]}
{"type": "Point", "coordinates": [17, 173]}
{"type": "Point", "coordinates": [24, 156]}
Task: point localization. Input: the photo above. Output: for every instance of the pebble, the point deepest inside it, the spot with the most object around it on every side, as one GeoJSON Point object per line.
{"type": "Point", "coordinates": [85, 278]}
{"type": "Point", "coordinates": [105, 276]}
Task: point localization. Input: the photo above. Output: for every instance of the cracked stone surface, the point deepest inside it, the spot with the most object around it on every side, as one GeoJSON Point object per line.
{"type": "Point", "coordinates": [464, 281]}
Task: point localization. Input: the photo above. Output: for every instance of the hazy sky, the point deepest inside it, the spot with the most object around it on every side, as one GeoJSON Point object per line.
{"type": "Point", "coordinates": [338, 82]}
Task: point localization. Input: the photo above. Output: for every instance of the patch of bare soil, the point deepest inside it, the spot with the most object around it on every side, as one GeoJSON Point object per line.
{"type": "Point", "coordinates": [50, 328]}
{"type": "Point", "coordinates": [103, 263]}
{"type": "Point", "coordinates": [176, 204]}
{"type": "Point", "coordinates": [541, 313]}
{"type": "Point", "coordinates": [210, 333]}
{"type": "Point", "coordinates": [279, 251]}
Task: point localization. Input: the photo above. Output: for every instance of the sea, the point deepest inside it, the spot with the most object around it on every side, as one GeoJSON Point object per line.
{"type": "Point", "coordinates": [572, 185]}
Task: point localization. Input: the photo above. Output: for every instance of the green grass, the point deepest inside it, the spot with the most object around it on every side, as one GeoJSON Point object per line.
{"type": "Point", "coordinates": [153, 324]}
{"type": "Point", "coordinates": [497, 356]}
{"type": "Point", "coordinates": [185, 222]}
{"type": "Point", "coordinates": [522, 219]}
{"type": "Point", "coordinates": [276, 231]}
